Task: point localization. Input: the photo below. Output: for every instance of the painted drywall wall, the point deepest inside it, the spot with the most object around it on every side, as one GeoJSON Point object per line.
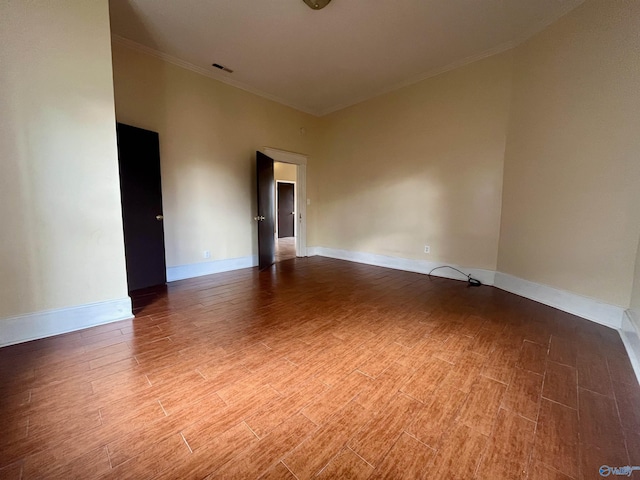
{"type": "Point", "coordinates": [420, 166]}
{"type": "Point", "coordinates": [635, 293]}
{"type": "Point", "coordinates": [572, 172]}
{"type": "Point", "coordinates": [284, 171]}
{"type": "Point", "coordinates": [62, 243]}
{"type": "Point", "coordinates": [631, 322]}
{"type": "Point", "coordinates": [209, 133]}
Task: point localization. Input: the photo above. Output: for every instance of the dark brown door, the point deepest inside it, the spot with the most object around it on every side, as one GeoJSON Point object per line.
{"type": "Point", "coordinates": [286, 210]}
{"type": "Point", "coordinates": [266, 211]}
{"type": "Point", "coordinates": [141, 190]}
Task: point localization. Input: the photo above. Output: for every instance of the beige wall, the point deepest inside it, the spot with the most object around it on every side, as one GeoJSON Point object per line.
{"type": "Point", "coordinates": [572, 166]}
{"type": "Point", "coordinates": [209, 133]}
{"type": "Point", "coordinates": [420, 166]}
{"type": "Point", "coordinates": [284, 171]}
{"type": "Point", "coordinates": [635, 294]}
{"type": "Point", "coordinates": [61, 223]}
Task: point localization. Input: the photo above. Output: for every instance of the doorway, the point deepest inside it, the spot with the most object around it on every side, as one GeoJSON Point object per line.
{"type": "Point", "coordinates": [285, 209]}
{"type": "Point", "coordinates": [285, 220]}
{"type": "Point", "coordinates": [142, 217]}
{"type": "Point", "coordinates": [285, 193]}
{"type": "Point", "coordinates": [296, 164]}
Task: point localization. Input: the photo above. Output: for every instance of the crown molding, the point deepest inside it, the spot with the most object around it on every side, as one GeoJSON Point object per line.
{"type": "Point", "coordinates": [130, 44]}
{"type": "Point", "coordinates": [423, 76]}
{"type": "Point", "coordinates": [520, 39]}
{"type": "Point", "coordinates": [523, 37]}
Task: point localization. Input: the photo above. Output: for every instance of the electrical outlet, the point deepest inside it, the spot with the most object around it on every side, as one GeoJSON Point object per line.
{"type": "Point", "coordinates": [207, 254]}
{"type": "Point", "coordinates": [427, 249]}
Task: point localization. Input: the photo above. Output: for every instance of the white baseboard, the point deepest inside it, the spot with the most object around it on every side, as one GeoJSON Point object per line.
{"type": "Point", "coordinates": [588, 308]}
{"type": "Point", "coordinates": [37, 325]}
{"type": "Point", "coordinates": [182, 272]}
{"type": "Point", "coordinates": [630, 334]}
{"type": "Point", "coordinates": [406, 264]}
{"type": "Point", "coordinates": [585, 307]}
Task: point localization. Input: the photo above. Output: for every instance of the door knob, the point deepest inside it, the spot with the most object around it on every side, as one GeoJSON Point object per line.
{"type": "Point", "coordinates": [159, 217]}
{"type": "Point", "coordinates": [293, 213]}
{"type": "Point", "coordinates": [258, 218]}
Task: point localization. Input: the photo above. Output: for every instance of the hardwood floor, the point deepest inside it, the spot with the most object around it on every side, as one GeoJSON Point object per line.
{"type": "Point", "coordinates": [285, 248]}
{"type": "Point", "coordinates": [322, 368]}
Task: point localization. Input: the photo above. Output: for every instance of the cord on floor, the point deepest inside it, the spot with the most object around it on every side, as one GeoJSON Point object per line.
{"type": "Point", "coordinates": [473, 282]}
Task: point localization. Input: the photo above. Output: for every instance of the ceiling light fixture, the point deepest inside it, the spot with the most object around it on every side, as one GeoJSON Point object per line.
{"type": "Point", "coordinates": [317, 4]}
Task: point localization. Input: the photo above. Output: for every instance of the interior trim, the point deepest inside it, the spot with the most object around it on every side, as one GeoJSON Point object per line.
{"type": "Point", "coordinates": [285, 156]}
{"type": "Point", "coordinates": [33, 326]}
{"type": "Point", "coordinates": [182, 272]}
{"type": "Point", "coordinates": [630, 334]}
{"type": "Point", "coordinates": [300, 160]}
{"type": "Point", "coordinates": [585, 307]}
{"type": "Point", "coordinates": [406, 264]}
{"type": "Point", "coordinates": [215, 74]}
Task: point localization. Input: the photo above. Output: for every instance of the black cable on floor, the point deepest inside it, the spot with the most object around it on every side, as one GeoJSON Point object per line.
{"type": "Point", "coordinates": [473, 282]}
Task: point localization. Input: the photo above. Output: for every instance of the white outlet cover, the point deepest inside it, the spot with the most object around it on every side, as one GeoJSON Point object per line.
{"type": "Point", "coordinates": [427, 249]}
{"type": "Point", "coordinates": [207, 254]}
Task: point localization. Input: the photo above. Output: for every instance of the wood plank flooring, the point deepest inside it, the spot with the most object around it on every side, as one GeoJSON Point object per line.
{"type": "Point", "coordinates": [321, 368]}
{"type": "Point", "coordinates": [285, 248]}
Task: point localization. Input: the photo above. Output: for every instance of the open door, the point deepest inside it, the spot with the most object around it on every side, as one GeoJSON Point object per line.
{"type": "Point", "coordinates": [141, 191]}
{"type": "Point", "coordinates": [266, 208]}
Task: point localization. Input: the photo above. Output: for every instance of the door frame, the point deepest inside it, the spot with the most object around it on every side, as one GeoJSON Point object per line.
{"type": "Point", "coordinates": [295, 202]}
{"type": "Point", "coordinates": [301, 195]}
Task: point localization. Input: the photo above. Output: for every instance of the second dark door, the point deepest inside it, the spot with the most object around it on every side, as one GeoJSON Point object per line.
{"type": "Point", "coordinates": [141, 191]}
{"type": "Point", "coordinates": [286, 210]}
{"type": "Point", "coordinates": [266, 211]}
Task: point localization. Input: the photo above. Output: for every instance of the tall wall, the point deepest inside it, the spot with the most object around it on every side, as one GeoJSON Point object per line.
{"type": "Point", "coordinates": [525, 162]}
{"type": "Point", "coordinates": [572, 171]}
{"type": "Point", "coordinates": [61, 242]}
{"type": "Point", "coordinates": [420, 166]}
{"type": "Point", "coordinates": [209, 133]}
{"type": "Point", "coordinates": [635, 294]}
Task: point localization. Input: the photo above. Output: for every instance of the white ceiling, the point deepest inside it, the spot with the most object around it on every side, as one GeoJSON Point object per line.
{"type": "Point", "coordinates": [321, 61]}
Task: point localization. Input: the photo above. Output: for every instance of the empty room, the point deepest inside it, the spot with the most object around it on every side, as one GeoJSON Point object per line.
{"type": "Point", "coordinates": [297, 239]}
